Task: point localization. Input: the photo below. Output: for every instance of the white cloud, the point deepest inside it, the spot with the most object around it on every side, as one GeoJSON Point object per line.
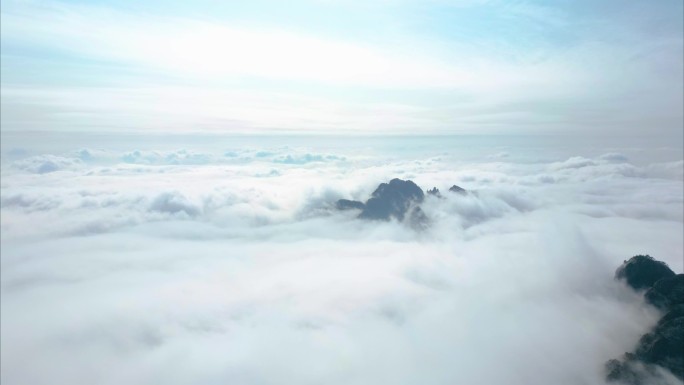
{"type": "Point", "coordinates": [225, 271]}
{"type": "Point", "coordinates": [174, 203]}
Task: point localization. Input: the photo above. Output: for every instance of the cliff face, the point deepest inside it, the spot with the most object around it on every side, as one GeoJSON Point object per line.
{"type": "Point", "coordinates": [642, 272]}
{"type": "Point", "coordinates": [392, 200]}
{"type": "Point", "coordinates": [663, 346]}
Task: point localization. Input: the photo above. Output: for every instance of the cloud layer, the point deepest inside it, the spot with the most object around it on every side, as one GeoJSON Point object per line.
{"type": "Point", "coordinates": [193, 266]}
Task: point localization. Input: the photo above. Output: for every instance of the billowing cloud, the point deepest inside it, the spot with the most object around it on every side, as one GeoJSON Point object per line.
{"type": "Point", "coordinates": [232, 266]}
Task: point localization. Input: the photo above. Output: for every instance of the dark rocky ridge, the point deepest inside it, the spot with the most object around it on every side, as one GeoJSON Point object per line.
{"type": "Point", "coordinates": [392, 200]}
{"type": "Point", "coordinates": [434, 191]}
{"type": "Point", "coordinates": [663, 346]}
{"type": "Point", "coordinates": [457, 190]}
{"type": "Point", "coordinates": [346, 204]}
{"type": "Point", "coordinates": [667, 292]}
{"type": "Point", "coordinates": [398, 199]}
{"type": "Point", "coordinates": [642, 271]}
{"type": "Point", "coordinates": [453, 189]}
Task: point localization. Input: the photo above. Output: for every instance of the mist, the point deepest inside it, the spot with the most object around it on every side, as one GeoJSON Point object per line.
{"type": "Point", "coordinates": [226, 262]}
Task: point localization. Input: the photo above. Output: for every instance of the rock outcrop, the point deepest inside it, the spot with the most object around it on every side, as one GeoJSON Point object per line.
{"type": "Point", "coordinates": [434, 192]}
{"type": "Point", "coordinates": [667, 292]}
{"type": "Point", "coordinates": [663, 347]}
{"type": "Point", "coordinates": [398, 199]}
{"type": "Point", "coordinates": [642, 271]}
{"type": "Point", "coordinates": [392, 200]}
{"type": "Point", "coordinates": [346, 204]}
{"type": "Point", "coordinates": [458, 190]}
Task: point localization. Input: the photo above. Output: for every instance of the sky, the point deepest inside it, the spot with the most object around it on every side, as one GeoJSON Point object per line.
{"type": "Point", "coordinates": [169, 172]}
{"type": "Point", "coordinates": [337, 66]}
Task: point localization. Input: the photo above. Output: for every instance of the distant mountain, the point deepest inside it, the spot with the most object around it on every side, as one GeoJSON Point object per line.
{"type": "Point", "coordinates": [399, 199]}
{"type": "Point", "coordinates": [435, 192]}
{"type": "Point", "coordinates": [392, 200]}
{"type": "Point", "coordinates": [458, 190]}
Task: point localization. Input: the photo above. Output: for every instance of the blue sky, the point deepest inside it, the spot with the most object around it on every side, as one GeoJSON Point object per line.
{"type": "Point", "coordinates": [318, 66]}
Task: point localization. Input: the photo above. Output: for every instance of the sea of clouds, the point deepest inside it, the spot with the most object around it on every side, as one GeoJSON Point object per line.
{"type": "Point", "coordinates": [230, 266]}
